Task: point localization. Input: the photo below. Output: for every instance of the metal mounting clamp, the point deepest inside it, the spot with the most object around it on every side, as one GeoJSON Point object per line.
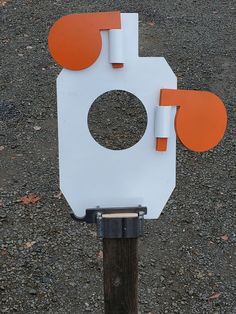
{"type": "Point", "coordinates": [120, 225]}
{"type": "Point", "coordinates": [116, 222]}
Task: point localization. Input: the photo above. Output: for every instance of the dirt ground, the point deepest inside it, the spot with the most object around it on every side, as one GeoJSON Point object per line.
{"type": "Point", "coordinates": [52, 264]}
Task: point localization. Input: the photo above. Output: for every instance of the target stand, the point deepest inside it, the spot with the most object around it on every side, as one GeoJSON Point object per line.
{"type": "Point", "coordinates": [119, 229]}
{"type": "Point", "coordinates": [118, 189]}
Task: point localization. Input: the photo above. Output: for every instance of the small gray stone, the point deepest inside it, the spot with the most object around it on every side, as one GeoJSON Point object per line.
{"type": "Point", "coordinates": [32, 291]}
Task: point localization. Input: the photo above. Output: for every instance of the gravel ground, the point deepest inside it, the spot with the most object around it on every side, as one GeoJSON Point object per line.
{"type": "Point", "coordinates": [52, 264]}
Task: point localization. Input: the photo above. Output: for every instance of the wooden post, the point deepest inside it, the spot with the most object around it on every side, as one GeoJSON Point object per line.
{"type": "Point", "coordinates": [120, 275]}
{"type": "Point", "coordinates": [120, 228]}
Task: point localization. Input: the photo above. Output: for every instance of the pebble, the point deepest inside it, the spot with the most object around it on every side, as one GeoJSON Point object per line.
{"type": "Point", "coordinates": [32, 291]}
{"type": "Point", "coordinates": [190, 292]}
{"type": "Point", "coordinates": [162, 278]}
{"type": "Point", "coordinates": [37, 128]}
{"type": "Point", "coordinates": [2, 214]}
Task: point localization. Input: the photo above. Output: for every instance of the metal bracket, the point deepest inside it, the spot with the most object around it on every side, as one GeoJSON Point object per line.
{"type": "Point", "coordinates": [120, 225]}
{"type": "Point", "coordinates": [118, 222]}
{"type": "Point", "coordinates": [91, 213]}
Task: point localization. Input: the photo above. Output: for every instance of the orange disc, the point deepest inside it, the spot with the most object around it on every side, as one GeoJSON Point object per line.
{"type": "Point", "coordinates": [74, 40]}
{"type": "Point", "coordinates": [201, 119]}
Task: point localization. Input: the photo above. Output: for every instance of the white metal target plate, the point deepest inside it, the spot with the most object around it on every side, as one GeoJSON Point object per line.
{"type": "Point", "coordinates": [91, 175]}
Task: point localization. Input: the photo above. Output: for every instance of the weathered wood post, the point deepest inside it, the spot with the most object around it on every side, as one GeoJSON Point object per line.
{"type": "Point", "coordinates": [120, 232]}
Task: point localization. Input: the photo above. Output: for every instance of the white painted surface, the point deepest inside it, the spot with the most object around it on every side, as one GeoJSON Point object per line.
{"type": "Point", "coordinates": [91, 175]}
{"type": "Point", "coordinates": [116, 46]}
{"type": "Point", "coordinates": [163, 121]}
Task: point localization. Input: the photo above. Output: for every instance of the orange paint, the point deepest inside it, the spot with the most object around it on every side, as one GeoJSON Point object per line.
{"type": "Point", "coordinates": [161, 144]}
{"type": "Point", "coordinates": [75, 41]}
{"type": "Point", "coordinates": [201, 119]}
{"type": "Point", "coordinates": [117, 65]}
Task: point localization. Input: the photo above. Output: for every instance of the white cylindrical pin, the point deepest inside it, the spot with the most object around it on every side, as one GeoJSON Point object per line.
{"type": "Point", "coordinates": [162, 121]}
{"type": "Point", "coordinates": [120, 215]}
{"type": "Point", "coordinates": [116, 46]}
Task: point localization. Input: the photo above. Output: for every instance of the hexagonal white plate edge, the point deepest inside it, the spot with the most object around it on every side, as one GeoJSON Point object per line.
{"type": "Point", "coordinates": [91, 175]}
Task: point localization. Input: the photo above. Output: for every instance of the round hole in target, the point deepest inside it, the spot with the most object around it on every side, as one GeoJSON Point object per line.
{"type": "Point", "coordinates": [117, 120]}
